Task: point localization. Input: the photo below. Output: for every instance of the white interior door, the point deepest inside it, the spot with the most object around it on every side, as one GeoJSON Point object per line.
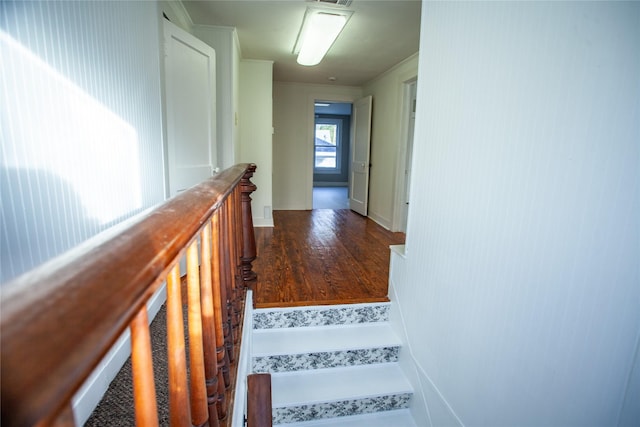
{"type": "Point", "coordinates": [359, 182]}
{"type": "Point", "coordinates": [191, 109]}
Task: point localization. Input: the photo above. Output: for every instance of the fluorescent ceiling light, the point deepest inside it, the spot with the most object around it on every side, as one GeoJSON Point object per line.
{"type": "Point", "coordinates": [322, 104]}
{"type": "Point", "coordinates": [319, 30]}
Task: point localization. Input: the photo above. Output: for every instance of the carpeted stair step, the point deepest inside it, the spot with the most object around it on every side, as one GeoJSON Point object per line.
{"type": "Point", "coordinates": [293, 349]}
{"type": "Point", "coordinates": [295, 317]}
{"type": "Point", "coordinates": [338, 392]}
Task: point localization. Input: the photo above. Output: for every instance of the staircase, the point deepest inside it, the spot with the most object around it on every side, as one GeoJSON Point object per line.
{"type": "Point", "coordinates": [332, 366]}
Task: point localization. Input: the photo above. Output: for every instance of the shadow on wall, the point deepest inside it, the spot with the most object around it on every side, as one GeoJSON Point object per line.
{"type": "Point", "coordinates": [41, 216]}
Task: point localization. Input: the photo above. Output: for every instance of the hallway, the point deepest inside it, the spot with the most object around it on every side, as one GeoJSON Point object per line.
{"type": "Point", "coordinates": [330, 198]}
{"type": "Point", "coordinates": [322, 256]}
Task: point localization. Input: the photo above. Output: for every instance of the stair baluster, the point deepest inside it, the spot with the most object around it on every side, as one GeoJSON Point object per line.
{"type": "Point", "coordinates": [208, 325]}
{"type": "Point", "coordinates": [197, 383]}
{"type": "Point", "coordinates": [219, 309]}
{"type": "Point", "coordinates": [144, 391]}
{"type": "Point", "coordinates": [234, 265]}
{"type": "Point", "coordinates": [227, 282]}
{"type": "Point", "coordinates": [179, 408]}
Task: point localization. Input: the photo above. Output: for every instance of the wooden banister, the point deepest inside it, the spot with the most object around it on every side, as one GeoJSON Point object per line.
{"type": "Point", "coordinates": [259, 412]}
{"type": "Point", "coordinates": [59, 320]}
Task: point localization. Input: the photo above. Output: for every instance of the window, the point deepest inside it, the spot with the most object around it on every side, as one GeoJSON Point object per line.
{"type": "Point", "coordinates": [327, 153]}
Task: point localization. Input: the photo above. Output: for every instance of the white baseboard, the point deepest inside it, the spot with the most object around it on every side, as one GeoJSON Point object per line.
{"type": "Point", "coordinates": [262, 222]}
{"type": "Point", "coordinates": [383, 222]}
{"type": "Point", "coordinates": [293, 207]}
{"type": "Point", "coordinates": [94, 388]}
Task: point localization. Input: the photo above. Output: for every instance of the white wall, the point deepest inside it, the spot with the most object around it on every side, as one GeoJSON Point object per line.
{"type": "Point", "coordinates": [293, 119]}
{"type": "Point", "coordinates": [521, 289]}
{"type": "Point", "coordinates": [387, 130]}
{"type": "Point", "coordinates": [256, 128]}
{"type": "Point", "coordinates": [82, 140]}
{"type": "Point", "coordinates": [81, 123]}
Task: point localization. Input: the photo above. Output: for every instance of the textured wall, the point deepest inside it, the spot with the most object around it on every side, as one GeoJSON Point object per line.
{"type": "Point", "coordinates": [521, 291]}
{"type": "Point", "coordinates": [81, 123]}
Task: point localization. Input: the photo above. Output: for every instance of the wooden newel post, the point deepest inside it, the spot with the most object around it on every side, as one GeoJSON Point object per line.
{"type": "Point", "coordinates": [248, 237]}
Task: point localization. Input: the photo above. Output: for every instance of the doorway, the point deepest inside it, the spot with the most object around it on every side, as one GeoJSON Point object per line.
{"type": "Point", "coordinates": [403, 187]}
{"type": "Point", "coordinates": [332, 142]}
{"type": "Point", "coordinates": [412, 89]}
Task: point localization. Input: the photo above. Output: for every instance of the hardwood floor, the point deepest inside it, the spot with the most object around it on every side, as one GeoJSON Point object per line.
{"type": "Point", "coordinates": [322, 256]}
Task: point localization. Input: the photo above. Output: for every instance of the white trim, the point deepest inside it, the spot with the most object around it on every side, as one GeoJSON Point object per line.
{"type": "Point", "coordinates": [183, 10]}
{"type": "Point", "coordinates": [177, 7]}
{"type": "Point", "coordinates": [257, 61]}
{"type": "Point", "coordinates": [236, 41]}
{"type": "Point", "coordinates": [263, 222]}
{"type": "Point", "coordinates": [240, 395]}
{"type": "Point", "coordinates": [391, 70]}
{"type": "Point", "coordinates": [381, 221]}
{"type": "Point", "coordinates": [401, 159]}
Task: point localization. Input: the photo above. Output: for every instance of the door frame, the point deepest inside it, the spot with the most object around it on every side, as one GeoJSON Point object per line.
{"type": "Point", "coordinates": [312, 98]}
{"type": "Point", "coordinates": [403, 157]}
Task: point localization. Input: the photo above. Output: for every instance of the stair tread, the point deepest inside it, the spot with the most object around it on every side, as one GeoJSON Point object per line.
{"type": "Point", "coordinates": [334, 384]}
{"type": "Point", "coordinates": [397, 418]}
{"type": "Point", "coordinates": [323, 339]}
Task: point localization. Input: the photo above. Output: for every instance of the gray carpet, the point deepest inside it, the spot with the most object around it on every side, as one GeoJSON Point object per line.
{"type": "Point", "coordinates": [116, 407]}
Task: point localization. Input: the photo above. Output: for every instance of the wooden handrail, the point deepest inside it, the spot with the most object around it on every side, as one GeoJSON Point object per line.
{"type": "Point", "coordinates": [59, 320]}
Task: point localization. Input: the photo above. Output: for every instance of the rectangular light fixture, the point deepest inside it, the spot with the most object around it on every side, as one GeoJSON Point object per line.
{"type": "Point", "coordinates": [319, 30]}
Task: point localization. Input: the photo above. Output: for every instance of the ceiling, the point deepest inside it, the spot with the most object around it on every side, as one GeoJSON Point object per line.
{"type": "Point", "coordinates": [380, 34]}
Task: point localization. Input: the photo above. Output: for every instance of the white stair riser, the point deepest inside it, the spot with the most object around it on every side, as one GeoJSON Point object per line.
{"type": "Point", "coordinates": [341, 408]}
{"type": "Point", "coordinates": [319, 360]}
{"type": "Point", "coordinates": [330, 362]}
{"type": "Point", "coordinates": [320, 316]}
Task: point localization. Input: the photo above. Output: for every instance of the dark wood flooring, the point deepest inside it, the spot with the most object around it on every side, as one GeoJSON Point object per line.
{"type": "Point", "coordinates": [322, 256]}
